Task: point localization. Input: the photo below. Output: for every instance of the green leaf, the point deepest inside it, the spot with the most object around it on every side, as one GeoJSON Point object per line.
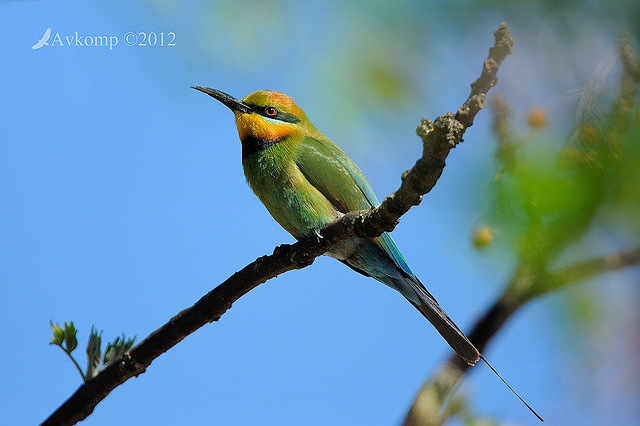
{"type": "Point", "coordinates": [117, 348]}
{"type": "Point", "coordinates": [94, 353]}
{"type": "Point", "coordinates": [70, 337]}
{"type": "Point", "coordinates": [58, 334]}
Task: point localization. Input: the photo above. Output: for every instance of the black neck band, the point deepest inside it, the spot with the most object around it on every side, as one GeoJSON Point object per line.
{"type": "Point", "coordinates": [251, 145]}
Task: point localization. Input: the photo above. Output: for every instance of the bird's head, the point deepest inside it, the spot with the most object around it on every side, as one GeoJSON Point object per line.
{"type": "Point", "coordinates": [265, 115]}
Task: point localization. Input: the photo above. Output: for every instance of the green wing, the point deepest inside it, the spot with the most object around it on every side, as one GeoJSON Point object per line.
{"type": "Point", "coordinates": [330, 171]}
{"type": "Point", "coordinates": [337, 177]}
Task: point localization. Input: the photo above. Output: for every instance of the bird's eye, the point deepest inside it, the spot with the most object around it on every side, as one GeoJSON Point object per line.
{"type": "Point", "coordinates": [270, 111]}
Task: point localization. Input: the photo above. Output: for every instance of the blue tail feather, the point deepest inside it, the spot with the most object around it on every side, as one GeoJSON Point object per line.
{"type": "Point", "coordinates": [381, 259]}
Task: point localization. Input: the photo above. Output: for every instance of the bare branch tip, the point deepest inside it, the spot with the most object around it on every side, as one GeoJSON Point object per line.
{"type": "Point", "coordinates": [424, 128]}
{"type": "Point", "coordinates": [503, 39]}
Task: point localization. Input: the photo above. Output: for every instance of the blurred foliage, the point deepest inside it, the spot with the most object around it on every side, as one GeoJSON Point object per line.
{"type": "Point", "coordinates": [548, 194]}
{"type": "Point", "coordinates": [548, 197]}
{"type": "Point", "coordinates": [66, 339]}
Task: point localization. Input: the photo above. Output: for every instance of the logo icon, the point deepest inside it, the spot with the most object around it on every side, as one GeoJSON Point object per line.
{"type": "Point", "coordinates": [43, 40]}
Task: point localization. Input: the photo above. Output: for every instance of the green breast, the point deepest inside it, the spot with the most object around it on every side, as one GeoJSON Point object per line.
{"type": "Point", "coordinates": [293, 202]}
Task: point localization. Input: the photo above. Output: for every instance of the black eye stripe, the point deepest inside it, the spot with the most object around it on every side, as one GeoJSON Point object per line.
{"type": "Point", "coordinates": [281, 116]}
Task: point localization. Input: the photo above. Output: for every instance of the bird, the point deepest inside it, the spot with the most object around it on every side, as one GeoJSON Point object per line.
{"type": "Point", "coordinates": [306, 181]}
{"type": "Point", "coordinates": [43, 41]}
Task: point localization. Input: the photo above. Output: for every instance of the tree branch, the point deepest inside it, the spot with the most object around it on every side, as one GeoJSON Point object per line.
{"type": "Point", "coordinates": [438, 139]}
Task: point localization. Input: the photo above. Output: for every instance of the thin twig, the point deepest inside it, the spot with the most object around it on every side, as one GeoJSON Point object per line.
{"type": "Point", "coordinates": [591, 267]}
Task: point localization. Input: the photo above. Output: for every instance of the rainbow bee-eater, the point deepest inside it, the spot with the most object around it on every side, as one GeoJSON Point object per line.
{"type": "Point", "coordinates": [305, 181]}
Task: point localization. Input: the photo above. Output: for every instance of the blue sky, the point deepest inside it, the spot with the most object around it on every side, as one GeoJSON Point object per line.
{"type": "Point", "coordinates": [124, 202]}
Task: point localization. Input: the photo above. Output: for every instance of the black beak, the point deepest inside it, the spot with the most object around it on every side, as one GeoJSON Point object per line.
{"type": "Point", "coordinates": [232, 103]}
